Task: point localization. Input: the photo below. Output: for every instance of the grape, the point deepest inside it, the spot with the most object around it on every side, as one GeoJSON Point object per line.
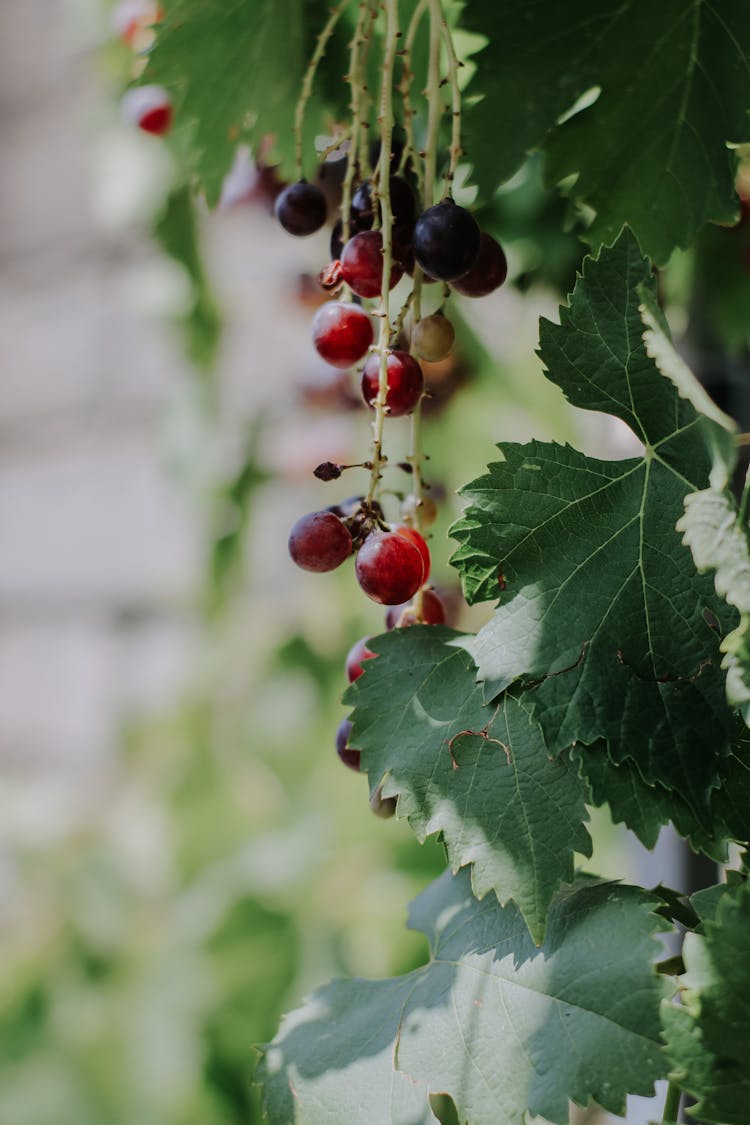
{"type": "Point", "coordinates": [488, 272]}
{"type": "Point", "coordinates": [425, 508]}
{"type": "Point", "coordinates": [342, 333]}
{"type": "Point", "coordinates": [319, 541]}
{"type": "Point", "coordinates": [403, 207]}
{"type": "Point", "coordinates": [362, 264]}
{"type": "Point", "coordinates": [433, 612]}
{"type": "Point", "coordinates": [384, 807]}
{"type": "Point", "coordinates": [149, 108]}
{"type": "Point", "coordinates": [355, 658]}
{"type": "Point", "coordinates": [389, 568]}
{"type": "Point", "coordinates": [301, 208]}
{"type": "Point", "coordinates": [433, 337]}
{"type": "Point", "coordinates": [446, 241]}
{"type": "Point", "coordinates": [349, 756]}
{"type": "Point", "coordinates": [405, 382]}
{"type": "Point", "coordinates": [414, 537]}
{"type": "Point", "coordinates": [345, 509]}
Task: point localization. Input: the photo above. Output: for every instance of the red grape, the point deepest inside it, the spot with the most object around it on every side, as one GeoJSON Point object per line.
{"type": "Point", "coordinates": [319, 541]}
{"type": "Point", "coordinates": [488, 272]}
{"type": "Point", "coordinates": [149, 108]}
{"type": "Point", "coordinates": [349, 756]}
{"type": "Point", "coordinates": [362, 264]}
{"type": "Point", "coordinates": [342, 333]}
{"type": "Point", "coordinates": [405, 382]}
{"type": "Point", "coordinates": [414, 537]}
{"type": "Point", "coordinates": [356, 657]}
{"type": "Point", "coordinates": [389, 568]}
{"type": "Point", "coordinates": [433, 612]}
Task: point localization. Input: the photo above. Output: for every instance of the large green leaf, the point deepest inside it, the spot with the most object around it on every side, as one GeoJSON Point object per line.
{"type": "Point", "coordinates": [719, 542]}
{"type": "Point", "coordinates": [646, 808]}
{"type": "Point", "coordinates": [602, 612]}
{"type": "Point", "coordinates": [673, 83]}
{"type": "Point", "coordinates": [501, 1026]}
{"type": "Point", "coordinates": [479, 774]}
{"type": "Point", "coordinates": [708, 1036]}
{"type": "Point", "coordinates": [235, 71]}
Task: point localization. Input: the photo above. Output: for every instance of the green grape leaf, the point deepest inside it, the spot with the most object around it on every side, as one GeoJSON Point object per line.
{"type": "Point", "coordinates": [661, 91]}
{"type": "Point", "coordinates": [602, 612]}
{"type": "Point", "coordinates": [222, 65]}
{"type": "Point", "coordinates": [719, 542]}
{"type": "Point", "coordinates": [708, 1036]}
{"type": "Point", "coordinates": [645, 808]}
{"type": "Point", "coordinates": [501, 1026]}
{"type": "Point", "coordinates": [479, 774]}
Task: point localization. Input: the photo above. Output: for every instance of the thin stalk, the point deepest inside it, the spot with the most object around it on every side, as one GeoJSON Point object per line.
{"type": "Point", "coordinates": [307, 81]}
{"type": "Point", "coordinates": [385, 120]}
{"type": "Point", "coordinates": [671, 1104]}
{"type": "Point", "coordinates": [355, 85]}
{"type": "Point", "coordinates": [407, 76]}
{"type": "Point", "coordinates": [744, 502]}
{"type": "Point", "coordinates": [453, 65]}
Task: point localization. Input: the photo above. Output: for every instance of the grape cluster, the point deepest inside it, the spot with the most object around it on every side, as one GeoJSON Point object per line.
{"type": "Point", "coordinates": [389, 233]}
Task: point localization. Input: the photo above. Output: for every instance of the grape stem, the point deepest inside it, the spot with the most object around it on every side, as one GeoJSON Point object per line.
{"type": "Point", "coordinates": [671, 1104]}
{"type": "Point", "coordinates": [355, 83]}
{"type": "Point", "coordinates": [407, 77]}
{"type": "Point", "coordinates": [453, 65]}
{"type": "Point", "coordinates": [744, 501]}
{"type": "Point", "coordinates": [385, 121]}
{"type": "Point", "coordinates": [307, 81]}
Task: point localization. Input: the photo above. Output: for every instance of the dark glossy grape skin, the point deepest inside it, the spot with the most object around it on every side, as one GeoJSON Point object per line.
{"type": "Point", "coordinates": [389, 568]}
{"type": "Point", "coordinates": [355, 658]}
{"type": "Point", "coordinates": [446, 241]}
{"type": "Point", "coordinates": [362, 264]}
{"type": "Point", "coordinates": [319, 541]}
{"type": "Point", "coordinates": [400, 616]}
{"type": "Point", "coordinates": [420, 543]}
{"type": "Point", "coordinates": [348, 755]}
{"type": "Point", "coordinates": [488, 272]}
{"type": "Point", "coordinates": [404, 379]}
{"type": "Point", "coordinates": [342, 332]}
{"type": "Point", "coordinates": [403, 205]}
{"type": "Point", "coordinates": [301, 208]}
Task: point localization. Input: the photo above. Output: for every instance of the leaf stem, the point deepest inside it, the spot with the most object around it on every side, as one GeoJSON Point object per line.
{"type": "Point", "coordinates": [385, 121]}
{"type": "Point", "coordinates": [671, 1104]}
{"type": "Point", "coordinates": [307, 81]}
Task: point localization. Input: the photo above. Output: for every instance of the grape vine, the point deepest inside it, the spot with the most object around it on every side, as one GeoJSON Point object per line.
{"type": "Point", "coordinates": [615, 667]}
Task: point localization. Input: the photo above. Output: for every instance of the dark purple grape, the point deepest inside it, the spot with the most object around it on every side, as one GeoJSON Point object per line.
{"type": "Point", "coordinates": [403, 206]}
{"type": "Point", "coordinates": [488, 272]}
{"type": "Point", "coordinates": [446, 241]}
{"type": "Point", "coordinates": [301, 208]}
{"type": "Point", "coordinates": [319, 541]}
{"type": "Point", "coordinates": [348, 755]}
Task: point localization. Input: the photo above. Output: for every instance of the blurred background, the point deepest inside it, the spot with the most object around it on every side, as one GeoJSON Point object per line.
{"type": "Point", "coordinates": [182, 855]}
